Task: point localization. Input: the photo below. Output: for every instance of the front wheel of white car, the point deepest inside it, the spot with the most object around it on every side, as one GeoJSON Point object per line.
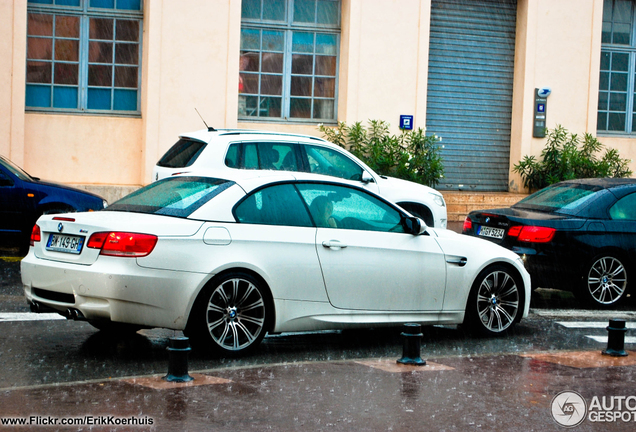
{"type": "Point", "coordinates": [231, 315]}
{"type": "Point", "coordinates": [495, 302]}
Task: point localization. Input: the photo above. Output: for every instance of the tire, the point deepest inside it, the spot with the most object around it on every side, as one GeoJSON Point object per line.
{"type": "Point", "coordinates": [605, 282]}
{"type": "Point", "coordinates": [231, 315]}
{"type": "Point", "coordinates": [495, 302]}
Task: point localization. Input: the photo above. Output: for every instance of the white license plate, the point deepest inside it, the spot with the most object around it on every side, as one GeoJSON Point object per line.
{"type": "Point", "coordinates": [497, 233]}
{"type": "Point", "coordinates": [65, 243]}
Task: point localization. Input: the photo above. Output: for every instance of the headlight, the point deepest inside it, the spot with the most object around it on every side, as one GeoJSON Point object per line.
{"type": "Point", "coordinates": [439, 200]}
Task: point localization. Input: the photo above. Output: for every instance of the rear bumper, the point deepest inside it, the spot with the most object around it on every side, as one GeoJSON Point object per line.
{"type": "Point", "coordinates": [115, 289]}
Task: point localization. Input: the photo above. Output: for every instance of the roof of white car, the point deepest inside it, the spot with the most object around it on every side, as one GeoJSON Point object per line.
{"type": "Point", "coordinates": [251, 179]}
{"type": "Point", "coordinates": [207, 135]}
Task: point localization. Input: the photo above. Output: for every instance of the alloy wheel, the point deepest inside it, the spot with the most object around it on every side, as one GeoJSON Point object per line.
{"type": "Point", "coordinates": [498, 301]}
{"type": "Point", "coordinates": [235, 314]}
{"type": "Point", "coordinates": [607, 280]}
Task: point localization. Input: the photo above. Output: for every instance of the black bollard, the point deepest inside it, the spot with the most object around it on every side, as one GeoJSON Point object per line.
{"type": "Point", "coordinates": [616, 338]}
{"type": "Point", "coordinates": [178, 350]}
{"type": "Point", "coordinates": [412, 342]}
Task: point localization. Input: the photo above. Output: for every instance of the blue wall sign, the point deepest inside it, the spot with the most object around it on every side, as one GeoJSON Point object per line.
{"type": "Point", "coordinates": [406, 122]}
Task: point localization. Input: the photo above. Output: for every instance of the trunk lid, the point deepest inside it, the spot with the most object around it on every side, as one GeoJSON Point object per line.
{"type": "Point", "coordinates": [64, 236]}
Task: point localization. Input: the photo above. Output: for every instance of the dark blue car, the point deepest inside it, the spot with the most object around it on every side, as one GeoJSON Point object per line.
{"type": "Point", "coordinates": [577, 235]}
{"type": "Point", "coordinates": [23, 199]}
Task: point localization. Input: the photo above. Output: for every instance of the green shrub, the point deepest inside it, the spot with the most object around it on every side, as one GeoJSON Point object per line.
{"type": "Point", "coordinates": [565, 157]}
{"type": "Point", "coordinates": [411, 155]}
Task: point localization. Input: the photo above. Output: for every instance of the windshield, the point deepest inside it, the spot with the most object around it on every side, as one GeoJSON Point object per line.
{"type": "Point", "coordinates": [174, 196]}
{"type": "Point", "coordinates": [560, 198]}
{"type": "Point", "coordinates": [16, 170]}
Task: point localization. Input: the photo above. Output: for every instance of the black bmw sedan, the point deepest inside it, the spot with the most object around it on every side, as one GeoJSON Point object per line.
{"type": "Point", "coordinates": [23, 199]}
{"type": "Point", "coordinates": [576, 235]}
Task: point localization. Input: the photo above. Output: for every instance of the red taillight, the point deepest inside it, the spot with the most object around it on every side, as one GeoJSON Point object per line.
{"type": "Point", "coordinates": [96, 241]}
{"type": "Point", "coordinates": [514, 231]}
{"type": "Point", "coordinates": [36, 236]}
{"type": "Point", "coordinates": [66, 219]}
{"type": "Point", "coordinates": [468, 225]}
{"type": "Point", "coordinates": [122, 244]}
{"type": "Point", "coordinates": [535, 234]}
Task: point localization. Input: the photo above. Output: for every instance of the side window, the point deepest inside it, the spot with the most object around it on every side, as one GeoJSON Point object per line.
{"type": "Point", "coordinates": [334, 206]}
{"type": "Point", "coordinates": [625, 208]}
{"type": "Point", "coordinates": [5, 180]}
{"type": "Point", "coordinates": [275, 205]}
{"type": "Point", "coordinates": [270, 156]}
{"type": "Point", "coordinates": [232, 158]}
{"type": "Point", "coordinates": [330, 162]}
{"type": "Point", "coordinates": [251, 157]}
{"type": "Point", "coordinates": [287, 157]}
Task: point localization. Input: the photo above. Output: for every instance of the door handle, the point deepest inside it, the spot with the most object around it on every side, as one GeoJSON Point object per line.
{"type": "Point", "coordinates": [334, 244]}
{"type": "Point", "coordinates": [459, 261]}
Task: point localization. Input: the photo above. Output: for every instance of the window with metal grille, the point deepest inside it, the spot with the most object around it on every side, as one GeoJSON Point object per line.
{"type": "Point", "coordinates": [289, 59]}
{"type": "Point", "coordinates": [616, 112]}
{"type": "Point", "coordinates": [84, 56]}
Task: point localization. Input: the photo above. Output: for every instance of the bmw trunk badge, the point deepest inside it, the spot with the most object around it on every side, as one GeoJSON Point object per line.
{"type": "Point", "coordinates": [60, 227]}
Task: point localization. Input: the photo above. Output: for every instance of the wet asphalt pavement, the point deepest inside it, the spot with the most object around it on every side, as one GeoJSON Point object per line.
{"type": "Point", "coordinates": [55, 371]}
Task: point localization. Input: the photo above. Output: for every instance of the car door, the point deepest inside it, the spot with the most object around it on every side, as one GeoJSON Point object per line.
{"type": "Point", "coordinates": [368, 262]}
{"type": "Point", "coordinates": [276, 234]}
{"type": "Point", "coordinates": [327, 161]}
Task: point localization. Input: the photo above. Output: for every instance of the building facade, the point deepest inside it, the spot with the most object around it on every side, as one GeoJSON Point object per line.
{"type": "Point", "coordinates": [95, 91]}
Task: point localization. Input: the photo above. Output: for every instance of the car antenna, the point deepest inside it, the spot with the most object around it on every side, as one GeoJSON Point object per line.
{"type": "Point", "coordinates": [210, 129]}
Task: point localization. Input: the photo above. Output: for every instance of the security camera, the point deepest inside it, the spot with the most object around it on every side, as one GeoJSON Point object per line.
{"type": "Point", "coordinates": [544, 92]}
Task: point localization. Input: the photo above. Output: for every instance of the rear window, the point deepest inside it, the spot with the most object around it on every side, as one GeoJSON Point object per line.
{"type": "Point", "coordinates": [174, 196]}
{"type": "Point", "coordinates": [182, 154]}
{"type": "Point", "coordinates": [564, 198]}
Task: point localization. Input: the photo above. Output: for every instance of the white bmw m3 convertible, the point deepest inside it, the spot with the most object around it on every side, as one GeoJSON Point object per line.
{"type": "Point", "coordinates": [228, 260]}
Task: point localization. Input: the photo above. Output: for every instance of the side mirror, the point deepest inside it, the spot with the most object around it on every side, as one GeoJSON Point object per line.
{"type": "Point", "coordinates": [415, 226]}
{"type": "Point", "coordinates": [366, 177]}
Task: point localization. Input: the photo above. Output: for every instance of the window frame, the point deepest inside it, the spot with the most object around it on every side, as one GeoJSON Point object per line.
{"type": "Point", "coordinates": [605, 94]}
{"type": "Point", "coordinates": [288, 27]}
{"type": "Point", "coordinates": [85, 14]}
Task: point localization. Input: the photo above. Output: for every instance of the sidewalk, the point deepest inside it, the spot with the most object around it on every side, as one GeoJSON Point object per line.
{"type": "Point", "coordinates": [489, 393]}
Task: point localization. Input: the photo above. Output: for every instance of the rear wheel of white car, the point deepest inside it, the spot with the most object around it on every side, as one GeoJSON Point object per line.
{"type": "Point", "coordinates": [231, 315]}
{"type": "Point", "coordinates": [495, 302]}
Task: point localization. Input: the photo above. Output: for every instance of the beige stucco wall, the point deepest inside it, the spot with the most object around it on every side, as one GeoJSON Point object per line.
{"type": "Point", "coordinates": [83, 149]}
{"type": "Point", "coordinates": [13, 55]}
{"type": "Point", "coordinates": [558, 46]}
{"type": "Point", "coordinates": [190, 60]}
{"type": "Point", "coordinates": [383, 64]}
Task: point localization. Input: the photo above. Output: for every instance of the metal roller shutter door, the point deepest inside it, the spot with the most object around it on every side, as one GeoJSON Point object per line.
{"type": "Point", "coordinates": [471, 67]}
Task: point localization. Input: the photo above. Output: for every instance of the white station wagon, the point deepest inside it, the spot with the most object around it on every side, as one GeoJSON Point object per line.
{"type": "Point", "coordinates": [228, 261]}
{"type": "Point", "coordinates": [220, 151]}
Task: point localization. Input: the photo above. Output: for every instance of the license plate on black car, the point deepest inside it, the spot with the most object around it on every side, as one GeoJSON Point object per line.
{"type": "Point", "coordinates": [65, 243]}
{"type": "Point", "coordinates": [485, 231]}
